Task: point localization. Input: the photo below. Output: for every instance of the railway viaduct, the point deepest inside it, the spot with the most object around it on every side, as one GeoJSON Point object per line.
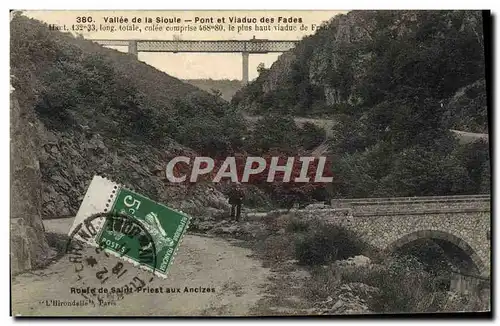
{"type": "Point", "coordinates": [245, 47]}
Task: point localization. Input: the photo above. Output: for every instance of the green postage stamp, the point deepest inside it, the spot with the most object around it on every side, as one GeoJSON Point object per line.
{"type": "Point", "coordinates": [163, 226]}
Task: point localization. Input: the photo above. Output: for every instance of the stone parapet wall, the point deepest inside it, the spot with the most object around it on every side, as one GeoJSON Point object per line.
{"type": "Point", "coordinates": [467, 229]}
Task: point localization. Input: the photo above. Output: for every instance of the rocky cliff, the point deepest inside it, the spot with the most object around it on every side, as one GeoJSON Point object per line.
{"type": "Point", "coordinates": [363, 58]}
{"type": "Point", "coordinates": [28, 243]}
{"type": "Point", "coordinates": [69, 160]}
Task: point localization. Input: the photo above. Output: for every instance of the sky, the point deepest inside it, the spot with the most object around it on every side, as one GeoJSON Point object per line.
{"type": "Point", "coordinates": [192, 65]}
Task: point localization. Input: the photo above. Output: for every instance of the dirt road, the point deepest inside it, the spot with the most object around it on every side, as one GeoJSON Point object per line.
{"type": "Point", "coordinates": [326, 124]}
{"type": "Point", "coordinates": [232, 281]}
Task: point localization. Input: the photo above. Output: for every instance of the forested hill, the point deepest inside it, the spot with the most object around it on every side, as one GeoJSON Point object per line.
{"type": "Point", "coordinates": [395, 82]}
{"type": "Point", "coordinates": [364, 59]}
{"type": "Point", "coordinates": [73, 82]}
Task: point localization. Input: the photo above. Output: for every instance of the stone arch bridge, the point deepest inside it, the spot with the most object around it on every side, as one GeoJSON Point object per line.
{"type": "Point", "coordinates": [390, 223]}
{"type": "Point", "coordinates": [460, 225]}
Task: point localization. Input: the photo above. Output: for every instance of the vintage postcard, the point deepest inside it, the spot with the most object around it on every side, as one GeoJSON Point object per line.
{"type": "Point", "coordinates": [250, 163]}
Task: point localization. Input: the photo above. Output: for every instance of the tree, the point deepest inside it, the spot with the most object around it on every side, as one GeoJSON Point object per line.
{"type": "Point", "coordinates": [216, 92]}
{"type": "Point", "coordinates": [418, 171]}
{"type": "Point", "coordinates": [261, 68]}
{"type": "Point", "coordinates": [275, 132]}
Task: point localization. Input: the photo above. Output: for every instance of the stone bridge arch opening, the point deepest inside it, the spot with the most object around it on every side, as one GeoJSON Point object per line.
{"type": "Point", "coordinates": [441, 249]}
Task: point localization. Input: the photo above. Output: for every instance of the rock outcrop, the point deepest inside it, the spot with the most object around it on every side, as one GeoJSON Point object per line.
{"type": "Point", "coordinates": [336, 59]}
{"type": "Point", "coordinates": [29, 246]}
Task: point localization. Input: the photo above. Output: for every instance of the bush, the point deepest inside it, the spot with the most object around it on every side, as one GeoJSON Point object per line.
{"type": "Point", "coordinates": [311, 135]}
{"type": "Point", "coordinates": [255, 197]}
{"type": "Point", "coordinates": [404, 287]}
{"type": "Point", "coordinates": [296, 225]}
{"type": "Point", "coordinates": [404, 284]}
{"type": "Point", "coordinates": [326, 243]}
{"type": "Point", "coordinates": [401, 284]}
{"type": "Point", "coordinates": [274, 131]}
{"type": "Point", "coordinates": [276, 248]}
{"type": "Point", "coordinates": [323, 283]}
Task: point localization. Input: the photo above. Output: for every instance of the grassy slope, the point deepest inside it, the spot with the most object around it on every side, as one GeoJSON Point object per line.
{"type": "Point", "coordinates": [72, 81]}
{"type": "Point", "coordinates": [34, 47]}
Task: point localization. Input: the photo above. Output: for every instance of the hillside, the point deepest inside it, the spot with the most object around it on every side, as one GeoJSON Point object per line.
{"type": "Point", "coordinates": [365, 58]}
{"type": "Point", "coordinates": [225, 87]}
{"type": "Point", "coordinates": [395, 83]}
{"type": "Point", "coordinates": [99, 111]}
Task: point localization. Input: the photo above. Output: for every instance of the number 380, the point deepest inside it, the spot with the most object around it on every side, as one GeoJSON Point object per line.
{"type": "Point", "coordinates": [84, 19]}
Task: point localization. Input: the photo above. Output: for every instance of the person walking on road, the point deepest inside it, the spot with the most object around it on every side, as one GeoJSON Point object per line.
{"type": "Point", "coordinates": [235, 200]}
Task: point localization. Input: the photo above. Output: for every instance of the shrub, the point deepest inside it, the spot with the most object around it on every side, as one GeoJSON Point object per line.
{"type": "Point", "coordinates": [276, 248]}
{"type": "Point", "coordinates": [296, 225]}
{"type": "Point", "coordinates": [323, 283]}
{"type": "Point", "coordinates": [404, 284]}
{"type": "Point", "coordinates": [254, 197]}
{"type": "Point", "coordinates": [311, 135]}
{"type": "Point", "coordinates": [274, 131]}
{"type": "Point", "coordinates": [470, 302]}
{"type": "Point", "coordinates": [326, 243]}
{"type": "Point", "coordinates": [404, 287]}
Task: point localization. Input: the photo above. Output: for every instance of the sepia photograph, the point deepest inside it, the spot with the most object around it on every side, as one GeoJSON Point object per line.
{"type": "Point", "coordinates": [250, 163]}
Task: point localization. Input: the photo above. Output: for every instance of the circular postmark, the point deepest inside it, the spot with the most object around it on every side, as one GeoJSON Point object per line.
{"type": "Point", "coordinates": [112, 255]}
